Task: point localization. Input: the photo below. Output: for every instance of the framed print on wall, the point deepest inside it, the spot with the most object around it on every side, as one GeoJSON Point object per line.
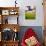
{"type": "Point", "coordinates": [30, 12]}
{"type": "Point", "coordinates": [5, 12]}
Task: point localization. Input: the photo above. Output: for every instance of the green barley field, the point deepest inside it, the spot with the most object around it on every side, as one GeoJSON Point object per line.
{"type": "Point", "coordinates": [30, 15]}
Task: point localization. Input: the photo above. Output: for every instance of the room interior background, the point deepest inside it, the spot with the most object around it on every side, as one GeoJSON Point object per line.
{"type": "Point", "coordinates": [36, 24]}
{"type": "Point", "coordinates": [39, 21]}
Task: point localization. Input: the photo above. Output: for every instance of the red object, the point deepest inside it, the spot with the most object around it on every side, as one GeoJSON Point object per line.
{"type": "Point", "coordinates": [29, 33]}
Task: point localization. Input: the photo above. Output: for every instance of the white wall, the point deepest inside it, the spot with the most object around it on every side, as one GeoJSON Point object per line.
{"type": "Point", "coordinates": [39, 13]}
{"type": "Point", "coordinates": [7, 3]}
{"type": "Point", "coordinates": [22, 4]}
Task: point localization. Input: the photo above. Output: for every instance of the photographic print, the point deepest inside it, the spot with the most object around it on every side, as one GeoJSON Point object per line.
{"type": "Point", "coordinates": [30, 12]}
{"type": "Point", "coordinates": [5, 12]}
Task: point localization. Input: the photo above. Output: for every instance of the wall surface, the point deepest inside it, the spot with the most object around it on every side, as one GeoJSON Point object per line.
{"type": "Point", "coordinates": [39, 13]}
{"type": "Point", "coordinates": [22, 3]}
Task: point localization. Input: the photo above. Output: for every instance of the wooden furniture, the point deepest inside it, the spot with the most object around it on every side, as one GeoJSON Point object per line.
{"type": "Point", "coordinates": [10, 26]}
{"type": "Point", "coordinates": [44, 6]}
{"type": "Point", "coordinates": [10, 43]}
{"type": "Point", "coordinates": [5, 13]}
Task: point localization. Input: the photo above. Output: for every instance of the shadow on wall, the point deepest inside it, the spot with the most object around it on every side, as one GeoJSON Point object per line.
{"type": "Point", "coordinates": [37, 29]}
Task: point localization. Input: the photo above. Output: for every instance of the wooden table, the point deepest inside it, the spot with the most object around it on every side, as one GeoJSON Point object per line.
{"type": "Point", "coordinates": [9, 43]}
